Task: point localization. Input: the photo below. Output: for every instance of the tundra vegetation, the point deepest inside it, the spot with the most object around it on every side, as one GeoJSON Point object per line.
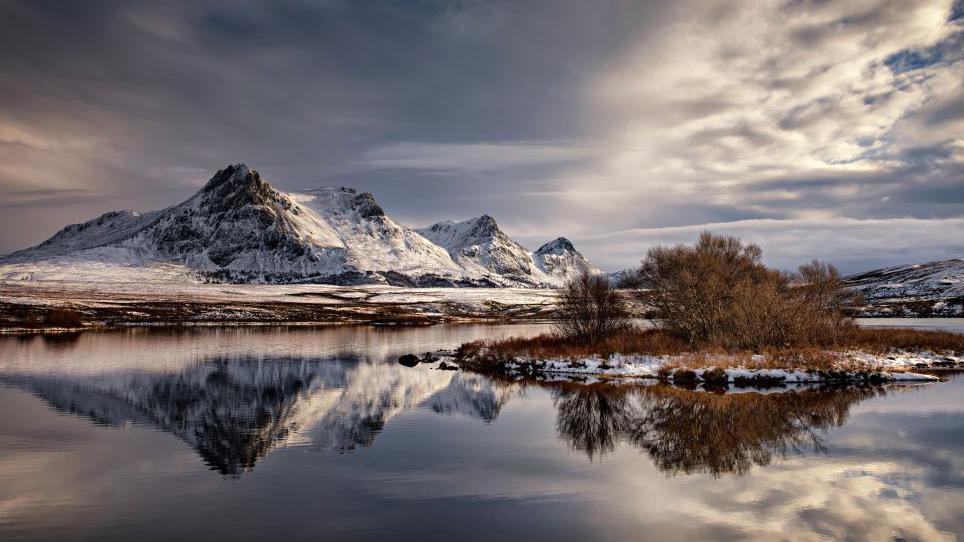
{"type": "Point", "coordinates": [709, 301]}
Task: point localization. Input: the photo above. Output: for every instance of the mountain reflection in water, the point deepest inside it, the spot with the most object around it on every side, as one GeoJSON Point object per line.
{"type": "Point", "coordinates": [234, 410]}
{"type": "Point", "coordinates": [686, 431]}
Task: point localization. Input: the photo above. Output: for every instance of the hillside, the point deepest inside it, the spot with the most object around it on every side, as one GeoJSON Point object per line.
{"type": "Point", "coordinates": [921, 290]}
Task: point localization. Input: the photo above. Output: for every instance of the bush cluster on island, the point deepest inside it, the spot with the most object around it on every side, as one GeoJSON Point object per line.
{"type": "Point", "coordinates": [715, 314]}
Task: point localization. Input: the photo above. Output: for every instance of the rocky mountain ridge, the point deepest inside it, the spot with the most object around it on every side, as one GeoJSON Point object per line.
{"type": "Point", "coordinates": [240, 229]}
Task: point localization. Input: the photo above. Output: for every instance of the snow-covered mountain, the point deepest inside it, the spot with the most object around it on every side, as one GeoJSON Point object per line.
{"type": "Point", "coordinates": [238, 228]}
{"type": "Point", "coordinates": [925, 289]}
{"type": "Point", "coordinates": [478, 245]}
{"type": "Point", "coordinates": [560, 260]}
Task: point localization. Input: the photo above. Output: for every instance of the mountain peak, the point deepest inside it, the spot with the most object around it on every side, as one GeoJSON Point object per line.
{"type": "Point", "coordinates": [559, 245]}
{"type": "Point", "coordinates": [483, 226]}
{"type": "Point", "coordinates": [237, 186]}
{"type": "Point", "coordinates": [560, 259]}
{"type": "Point", "coordinates": [231, 174]}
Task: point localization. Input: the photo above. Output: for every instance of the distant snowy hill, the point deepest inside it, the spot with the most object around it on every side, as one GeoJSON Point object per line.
{"type": "Point", "coordinates": [238, 228]}
{"type": "Point", "coordinates": [479, 246]}
{"type": "Point", "coordinates": [925, 289]}
{"type": "Point", "coordinates": [560, 260]}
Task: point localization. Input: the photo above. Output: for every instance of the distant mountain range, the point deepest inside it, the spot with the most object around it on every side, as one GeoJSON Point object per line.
{"type": "Point", "coordinates": [238, 228]}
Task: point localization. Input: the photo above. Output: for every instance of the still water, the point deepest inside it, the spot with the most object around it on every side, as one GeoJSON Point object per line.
{"type": "Point", "coordinates": [250, 434]}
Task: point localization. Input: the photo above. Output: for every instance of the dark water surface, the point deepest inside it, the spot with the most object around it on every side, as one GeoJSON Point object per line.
{"type": "Point", "coordinates": [251, 434]}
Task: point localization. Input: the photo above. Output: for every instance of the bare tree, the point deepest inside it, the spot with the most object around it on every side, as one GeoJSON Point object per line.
{"type": "Point", "coordinates": [718, 293]}
{"type": "Point", "coordinates": [825, 299]}
{"type": "Point", "coordinates": [590, 309]}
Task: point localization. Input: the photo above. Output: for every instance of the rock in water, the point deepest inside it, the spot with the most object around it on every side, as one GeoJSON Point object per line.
{"type": "Point", "coordinates": [409, 360]}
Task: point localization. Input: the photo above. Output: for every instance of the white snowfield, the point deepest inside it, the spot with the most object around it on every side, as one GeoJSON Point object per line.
{"type": "Point", "coordinates": [895, 367]}
{"type": "Point", "coordinates": [239, 229]}
{"type": "Point", "coordinates": [133, 286]}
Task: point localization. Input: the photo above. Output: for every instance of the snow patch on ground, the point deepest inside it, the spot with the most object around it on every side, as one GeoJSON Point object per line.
{"type": "Point", "coordinates": [893, 367]}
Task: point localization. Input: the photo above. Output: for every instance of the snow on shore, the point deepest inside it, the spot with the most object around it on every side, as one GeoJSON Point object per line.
{"type": "Point", "coordinates": [893, 367]}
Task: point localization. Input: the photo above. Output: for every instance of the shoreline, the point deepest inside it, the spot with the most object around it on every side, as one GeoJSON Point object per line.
{"type": "Point", "coordinates": [24, 305]}
{"type": "Point", "coordinates": [718, 371]}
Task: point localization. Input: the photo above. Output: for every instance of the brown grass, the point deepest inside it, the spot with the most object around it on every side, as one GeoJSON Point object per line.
{"type": "Point", "coordinates": [657, 342]}
{"type": "Point", "coordinates": [549, 345]}
{"type": "Point", "coordinates": [882, 340]}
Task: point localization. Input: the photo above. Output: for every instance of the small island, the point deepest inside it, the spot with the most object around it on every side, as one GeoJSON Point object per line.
{"type": "Point", "coordinates": [713, 315]}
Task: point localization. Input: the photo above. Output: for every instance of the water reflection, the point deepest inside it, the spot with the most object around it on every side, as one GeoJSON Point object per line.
{"type": "Point", "coordinates": [233, 396]}
{"type": "Point", "coordinates": [452, 455]}
{"type": "Point", "coordinates": [233, 410]}
{"type": "Point", "coordinates": [686, 431]}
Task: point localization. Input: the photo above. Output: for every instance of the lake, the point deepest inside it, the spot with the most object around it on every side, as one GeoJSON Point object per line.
{"type": "Point", "coordinates": [257, 433]}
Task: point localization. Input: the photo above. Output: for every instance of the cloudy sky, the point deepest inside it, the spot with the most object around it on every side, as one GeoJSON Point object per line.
{"type": "Point", "coordinates": [816, 128]}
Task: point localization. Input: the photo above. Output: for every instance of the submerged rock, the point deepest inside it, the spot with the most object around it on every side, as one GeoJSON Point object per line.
{"type": "Point", "coordinates": [409, 360]}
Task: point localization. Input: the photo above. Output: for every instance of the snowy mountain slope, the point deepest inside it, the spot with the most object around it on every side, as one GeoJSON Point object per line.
{"type": "Point", "coordinates": [561, 261]}
{"type": "Point", "coordinates": [238, 228]}
{"type": "Point", "coordinates": [376, 242]}
{"type": "Point", "coordinates": [106, 229]}
{"type": "Point", "coordinates": [480, 245]}
{"type": "Point", "coordinates": [925, 289]}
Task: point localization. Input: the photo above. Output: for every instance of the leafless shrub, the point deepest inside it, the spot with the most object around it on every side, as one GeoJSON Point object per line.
{"type": "Point", "coordinates": [718, 293]}
{"type": "Point", "coordinates": [63, 318]}
{"type": "Point", "coordinates": [590, 309]}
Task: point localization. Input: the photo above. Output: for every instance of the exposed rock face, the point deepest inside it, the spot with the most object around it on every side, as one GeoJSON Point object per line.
{"type": "Point", "coordinates": [237, 223]}
{"type": "Point", "coordinates": [238, 228]}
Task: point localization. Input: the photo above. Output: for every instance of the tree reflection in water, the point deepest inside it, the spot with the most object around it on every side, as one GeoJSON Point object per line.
{"type": "Point", "coordinates": [686, 431]}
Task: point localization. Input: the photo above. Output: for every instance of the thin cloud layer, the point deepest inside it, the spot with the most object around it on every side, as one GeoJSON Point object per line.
{"type": "Point", "coordinates": [618, 124]}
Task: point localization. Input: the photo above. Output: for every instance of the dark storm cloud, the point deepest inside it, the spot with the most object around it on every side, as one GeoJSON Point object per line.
{"type": "Point", "coordinates": [563, 117]}
{"type": "Point", "coordinates": [957, 11]}
{"type": "Point", "coordinates": [118, 94]}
